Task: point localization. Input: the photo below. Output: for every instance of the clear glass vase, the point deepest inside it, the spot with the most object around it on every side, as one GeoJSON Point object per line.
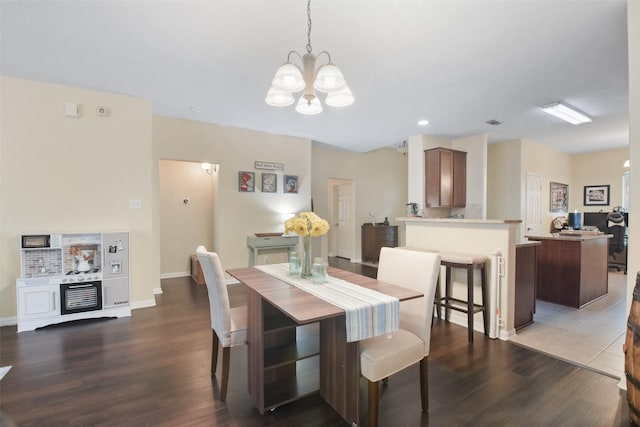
{"type": "Point", "coordinates": [305, 269]}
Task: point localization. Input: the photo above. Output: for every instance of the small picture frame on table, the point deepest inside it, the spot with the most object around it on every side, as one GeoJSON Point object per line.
{"type": "Point", "coordinates": [290, 184]}
{"type": "Point", "coordinates": [246, 181]}
{"type": "Point", "coordinates": [269, 182]}
{"type": "Point", "coordinates": [596, 195]}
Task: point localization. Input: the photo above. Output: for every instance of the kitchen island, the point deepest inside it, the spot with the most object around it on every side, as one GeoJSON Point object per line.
{"type": "Point", "coordinates": [572, 267]}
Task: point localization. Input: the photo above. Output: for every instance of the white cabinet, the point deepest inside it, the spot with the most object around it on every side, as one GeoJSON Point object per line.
{"type": "Point", "coordinates": [115, 293]}
{"type": "Point", "coordinates": [38, 301]}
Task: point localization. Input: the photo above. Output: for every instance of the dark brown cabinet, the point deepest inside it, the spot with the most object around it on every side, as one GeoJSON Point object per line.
{"type": "Point", "coordinates": [525, 293]}
{"type": "Point", "coordinates": [375, 237]}
{"type": "Point", "coordinates": [445, 178]}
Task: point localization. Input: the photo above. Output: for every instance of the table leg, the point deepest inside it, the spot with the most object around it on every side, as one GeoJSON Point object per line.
{"type": "Point", "coordinates": [339, 369]}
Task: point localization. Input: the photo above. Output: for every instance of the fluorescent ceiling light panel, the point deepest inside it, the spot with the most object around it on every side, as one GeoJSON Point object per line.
{"type": "Point", "coordinates": [566, 113]}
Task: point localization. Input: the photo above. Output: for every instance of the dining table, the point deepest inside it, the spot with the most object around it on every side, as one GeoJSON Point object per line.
{"type": "Point", "coordinates": [297, 342]}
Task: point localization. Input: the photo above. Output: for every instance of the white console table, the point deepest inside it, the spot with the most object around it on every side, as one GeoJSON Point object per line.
{"type": "Point", "coordinates": [257, 244]}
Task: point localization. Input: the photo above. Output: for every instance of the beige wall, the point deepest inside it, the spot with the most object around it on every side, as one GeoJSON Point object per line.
{"type": "Point", "coordinates": [184, 226]}
{"type": "Point", "coordinates": [73, 174]}
{"type": "Point", "coordinates": [504, 187]}
{"type": "Point", "coordinates": [510, 161]}
{"type": "Point", "coordinates": [238, 214]}
{"type": "Point", "coordinates": [553, 166]}
{"type": "Point", "coordinates": [599, 168]}
{"type": "Point", "coordinates": [380, 179]}
{"type": "Point", "coordinates": [633, 25]}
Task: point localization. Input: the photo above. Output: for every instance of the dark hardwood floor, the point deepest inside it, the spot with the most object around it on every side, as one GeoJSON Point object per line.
{"type": "Point", "coordinates": [152, 369]}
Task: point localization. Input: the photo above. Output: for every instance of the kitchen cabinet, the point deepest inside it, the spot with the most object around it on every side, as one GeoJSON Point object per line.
{"type": "Point", "coordinates": [375, 237]}
{"type": "Point", "coordinates": [571, 267]}
{"type": "Point", "coordinates": [525, 291]}
{"type": "Point", "coordinates": [445, 178]}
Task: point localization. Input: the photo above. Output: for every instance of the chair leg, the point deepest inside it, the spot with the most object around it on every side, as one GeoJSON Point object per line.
{"type": "Point", "coordinates": [214, 352]}
{"type": "Point", "coordinates": [437, 298]}
{"type": "Point", "coordinates": [373, 403]}
{"type": "Point", "coordinates": [226, 355]}
{"type": "Point", "coordinates": [424, 383]}
{"type": "Point", "coordinates": [470, 302]}
{"type": "Point", "coordinates": [447, 294]}
{"type": "Point", "coordinates": [485, 316]}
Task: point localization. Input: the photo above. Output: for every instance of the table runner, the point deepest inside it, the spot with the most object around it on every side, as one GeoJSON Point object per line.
{"type": "Point", "coordinates": [368, 313]}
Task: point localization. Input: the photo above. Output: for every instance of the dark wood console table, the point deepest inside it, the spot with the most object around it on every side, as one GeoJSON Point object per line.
{"type": "Point", "coordinates": [375, 237]}
{"type": "Point", "coordinates": [571, 267]}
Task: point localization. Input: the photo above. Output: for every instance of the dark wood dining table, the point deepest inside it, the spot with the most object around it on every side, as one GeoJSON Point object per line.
{"type": "Point", "coordinates": [297, 343]}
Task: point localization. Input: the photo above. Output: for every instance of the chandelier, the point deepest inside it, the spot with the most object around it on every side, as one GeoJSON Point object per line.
{"type": "Point", "coordinates": [290, 78]}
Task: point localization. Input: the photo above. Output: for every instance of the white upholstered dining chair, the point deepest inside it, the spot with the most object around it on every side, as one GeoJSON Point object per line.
{"type": "Point", "coordinates": [229, 324]}
{"type": "Point", "coordinates": [383, 356]}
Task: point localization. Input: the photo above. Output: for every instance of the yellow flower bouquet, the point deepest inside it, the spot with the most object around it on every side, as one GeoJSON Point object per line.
{"type": "Point", "coordinates": [307, 225]}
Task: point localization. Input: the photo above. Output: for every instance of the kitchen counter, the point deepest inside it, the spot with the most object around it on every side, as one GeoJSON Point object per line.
{"type": "Point", "coordinates": [572, 268]}
{"type": "Point", "coordinates": [458, 220]}
{"type": "Point", "coordinates": [493, 238]}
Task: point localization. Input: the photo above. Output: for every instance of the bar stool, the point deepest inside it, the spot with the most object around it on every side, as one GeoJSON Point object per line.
{"type": "Point", "coordinates": [469, 263]}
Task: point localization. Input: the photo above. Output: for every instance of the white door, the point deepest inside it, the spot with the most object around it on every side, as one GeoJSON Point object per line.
{"type": "Point", "coordinates": [533, 220]}
{"type": "Point", "coordinates": [345, 242]}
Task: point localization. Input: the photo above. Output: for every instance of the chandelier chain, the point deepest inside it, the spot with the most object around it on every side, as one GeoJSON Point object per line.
{"type": "Point", "coordinates": [309, 26]}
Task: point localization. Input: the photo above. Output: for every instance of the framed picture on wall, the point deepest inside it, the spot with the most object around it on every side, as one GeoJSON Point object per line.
{"type": "Point", "coordinates": [269, 182]}
{"type": "Point", "coordinates": [290, 184]}
{"type": "Point", "coordinates": [596, 195]}
{"type": "Point", "coordinates": [559, 197]}
{"type": "Point", "coordinates": [246, 181]}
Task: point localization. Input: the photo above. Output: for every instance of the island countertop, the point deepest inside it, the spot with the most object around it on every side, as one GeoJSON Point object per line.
{"type": "Point", "coordinates": [571, 236]}
{"type": "Point", "coordinates": [418, 219]}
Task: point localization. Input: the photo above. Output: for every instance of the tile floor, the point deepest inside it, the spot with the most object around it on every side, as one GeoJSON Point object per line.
{"type": "Point", "coordinates": [591, 337]}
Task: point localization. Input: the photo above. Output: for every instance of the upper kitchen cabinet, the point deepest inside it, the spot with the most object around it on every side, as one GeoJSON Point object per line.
{"type": "Point", "coordinates": [445, 178]}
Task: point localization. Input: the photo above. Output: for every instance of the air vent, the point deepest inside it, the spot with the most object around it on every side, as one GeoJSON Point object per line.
{"type": "Point", "coordinates": [493, 122]}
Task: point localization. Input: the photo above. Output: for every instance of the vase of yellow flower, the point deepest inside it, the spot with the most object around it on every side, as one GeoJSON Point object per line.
{"type": "Point", "coordinates": [306, 225]}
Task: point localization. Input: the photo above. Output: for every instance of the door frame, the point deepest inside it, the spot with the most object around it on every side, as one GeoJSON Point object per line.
{"type": "Point", "coordinates": [332, 183]}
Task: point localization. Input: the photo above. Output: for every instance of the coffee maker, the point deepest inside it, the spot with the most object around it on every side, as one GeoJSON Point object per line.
{"type": "Point", "coordinates": [412, 209]}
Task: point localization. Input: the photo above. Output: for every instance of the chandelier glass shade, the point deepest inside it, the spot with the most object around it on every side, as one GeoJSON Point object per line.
{"type": "Point", "coordinates": [290, 78]}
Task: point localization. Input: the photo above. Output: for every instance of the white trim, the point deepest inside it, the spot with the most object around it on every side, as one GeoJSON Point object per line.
{"type": "Point", "coordinates": [175, 274]}
{"type": "Point", "coordinates": [8, 321]}
{"type": "Point", "coordinates": [143, 304]}
{"type": "Point", "coordinates": [157, 291]}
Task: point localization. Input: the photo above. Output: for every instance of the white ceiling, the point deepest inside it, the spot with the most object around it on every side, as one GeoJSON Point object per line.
{"type": "Point", "coordinates": [456, 63]}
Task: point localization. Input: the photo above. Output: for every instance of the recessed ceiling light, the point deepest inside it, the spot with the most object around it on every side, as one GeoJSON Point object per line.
{"type": "Point", "coordinates": [195, 110]}
{"type": "Point", "coordinates": [423, 122]}
{"type": "Point", "coordinates": [493, 122]}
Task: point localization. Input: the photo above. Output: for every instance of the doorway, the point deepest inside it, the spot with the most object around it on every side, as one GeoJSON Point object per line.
{"type": "Point", "coordinates": [186, 202]}
{"type": "Point", "coordinates": [342, 196]}
{"type": "Point", "coordinates": [533, 217]}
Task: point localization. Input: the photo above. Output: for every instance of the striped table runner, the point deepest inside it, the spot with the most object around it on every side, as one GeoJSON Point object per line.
{"type": "Point", "coordinates": [369, 313]}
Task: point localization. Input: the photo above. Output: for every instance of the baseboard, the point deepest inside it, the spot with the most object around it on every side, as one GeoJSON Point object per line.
{"type": "Point", "coordinates": [461, 319]}
{"type": "Point", "coordinates": [143, 304]}
{"type": "Point", "coordinates": [175, 274]}
{"type": "Point", "coordinates": [157, 291]}
{"type": "Point", "coordinates": [8, 321]}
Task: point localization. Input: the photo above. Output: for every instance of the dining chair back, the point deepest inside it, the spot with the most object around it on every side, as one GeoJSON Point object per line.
{"type": "Point", "coordinates": [229, 324]}
{"type": "Point", "coordinates": [383, 356]}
